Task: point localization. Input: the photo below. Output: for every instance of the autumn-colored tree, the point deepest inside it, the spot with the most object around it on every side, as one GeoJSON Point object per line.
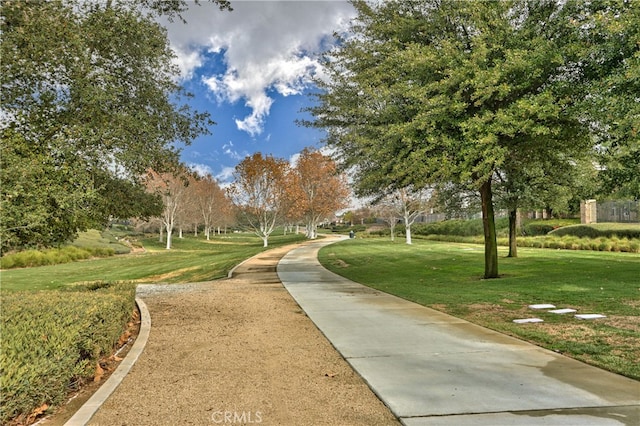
{"type": "Point", "coordinates": [322, 191]}
{"type": "Point", "coordinates": [259, 192]}
{"type": "Point", "coordinates": [172, 187]}
{"type": "Point", "coordinates": [293, 205]}
{"type": "Point", "coordinates": [210, 201]}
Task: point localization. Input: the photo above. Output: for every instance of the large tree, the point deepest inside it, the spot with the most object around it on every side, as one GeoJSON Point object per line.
{"type": "Point", "coordinates": [89, 102]}
{"type": "Point", "coordinates": [614, 86]}
{"type": "Point", "coordinates": [443, 91]}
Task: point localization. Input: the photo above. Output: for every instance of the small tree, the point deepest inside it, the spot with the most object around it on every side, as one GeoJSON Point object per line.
{"type": "Point", "coordinates": [320, 190]}
{"type": "Point", "coordinates": [172, 188]}
{"type": "Point", "coordinates": [387, 211]}
{"type": "Point", "coordinates": [210, 202]}
{"type": "Point", "coordinates": [259, 191]}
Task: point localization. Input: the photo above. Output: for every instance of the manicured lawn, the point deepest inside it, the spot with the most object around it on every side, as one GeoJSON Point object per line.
{"type": "Point", "coordinates": [447, 277]}
{"type": "Point", "coordinates": [190, 260]}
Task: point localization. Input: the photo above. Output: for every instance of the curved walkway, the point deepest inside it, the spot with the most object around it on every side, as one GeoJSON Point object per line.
{"type": "Point", "coordinates": [237, 351]}
{"type": "Point", "coordinates": [433, 369]}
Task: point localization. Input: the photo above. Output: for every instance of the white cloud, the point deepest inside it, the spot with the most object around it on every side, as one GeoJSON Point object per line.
{"type": "Point", "coordinates": [293, 160]}
{"type": "Point", "coordinates": [266, 45]}
{"type": "Point", "coordinates": [201, 169]}
{"type": "Point", "coordinates": [188, 61]}
{"type": "Point", "coordinates": [228, 150]}
{"type": "Point", "coordinates": [225, 176]}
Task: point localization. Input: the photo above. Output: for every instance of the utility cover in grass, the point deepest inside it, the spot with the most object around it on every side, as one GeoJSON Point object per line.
{"type": "Point", "coordinates": [542, 306]}
{"type": "Point", "coordinates": [527, 320]}
{"type": "Point", "coordinates": [563, 311]}
{"type": "Point", "coordinates": [590, 316]}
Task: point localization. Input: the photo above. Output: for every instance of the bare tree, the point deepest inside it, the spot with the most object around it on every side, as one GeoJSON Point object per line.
{"type": "Point", "coordinates": [388, 212]}
{"type": "Point", "coordinates": [172, 188]}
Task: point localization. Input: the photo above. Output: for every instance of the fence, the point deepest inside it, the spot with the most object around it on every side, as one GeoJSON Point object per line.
{"type": "Point", "coordinates": [618, 211]}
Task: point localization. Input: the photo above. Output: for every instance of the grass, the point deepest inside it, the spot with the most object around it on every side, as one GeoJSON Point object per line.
{"type": "Point", "coordinates": [190, 260]}
{"type": "Point", "coordinates": [52, 313]}
{"type": "Point", "coordinates": [447, 277]}
{"type": "Point", "coordinates": [105, 239]}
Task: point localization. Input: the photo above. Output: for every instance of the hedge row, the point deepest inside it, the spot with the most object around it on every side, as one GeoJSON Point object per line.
{"type": "Point", "coordinates": [599, 230]}
{"type": "Point", "coordinates": [568, 242]}
{"type": "Point", "coordinates": [463, 228]}
{"type": "Point", "coordinates": [29, 258]}
{"type": "Point", "coordinates": [52, 341]}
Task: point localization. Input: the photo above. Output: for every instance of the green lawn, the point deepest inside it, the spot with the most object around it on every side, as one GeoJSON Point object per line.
{"type": "Point", "coordinates": [190, 260]}
{"type": "Point", "coordinates": [447, 277]}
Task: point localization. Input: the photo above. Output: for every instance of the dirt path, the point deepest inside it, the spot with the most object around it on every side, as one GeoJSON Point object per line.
{"type": "Point", "coordinates": [238, 351]}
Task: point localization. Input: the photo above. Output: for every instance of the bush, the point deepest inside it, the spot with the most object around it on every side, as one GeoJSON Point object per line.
{"type": "Point", "coordinates": [52, 340]}
{"type": "Point", "coordinates": [463, 228]}
{"type": "Point", "coordinates": [347, 228]}
{"type": "Point", "coordinates": [537, 228]}
{"type": "Point", "coordinates": [629, 231]}
{"type": "Point", "coordinates": [31, 258]}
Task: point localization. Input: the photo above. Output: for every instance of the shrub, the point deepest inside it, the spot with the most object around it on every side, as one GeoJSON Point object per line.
{"type": "Point", "coordinates": [464, 228]}
{"type": "Point", "coordinates": [537, 228]}
{"type": "Point", "coordinates": [31, 258]}
{"type": "Point", "coordinates": [52, 340]}
{"type": "Point", "coordinates": [347, 228]}
{"type": "Point", "coordinates": [597, 230]}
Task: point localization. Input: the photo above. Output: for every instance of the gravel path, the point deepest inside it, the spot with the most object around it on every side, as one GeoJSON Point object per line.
{"type": "Point", "coordinates": [238, 351]}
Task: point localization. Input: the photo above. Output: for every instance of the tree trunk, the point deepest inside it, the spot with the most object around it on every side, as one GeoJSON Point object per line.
{"type": "Point", "coordinates": [489, 225]}
{"type": "Point", "coordinates": [408, 234]}
{"type": "Point", "coordinates": [265, 242]}
{"type": "Point", "coordinates": [160, 239]}
{"type": "Point", "coordinates": [513, 233]}
{"type": "Point", "coordinates": [169, 232]}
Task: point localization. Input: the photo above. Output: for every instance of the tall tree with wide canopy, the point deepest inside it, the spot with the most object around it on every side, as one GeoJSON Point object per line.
{"type": "Point", "coordinates": [90, 101]}
{"type": "Point", "coordinates": [437, 91]}
{"type": "Point", "coordinates": [614, 104]}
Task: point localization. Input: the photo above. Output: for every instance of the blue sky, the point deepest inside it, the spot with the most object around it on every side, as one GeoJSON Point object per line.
{"type": "Point", "coordinates": [251, 69]}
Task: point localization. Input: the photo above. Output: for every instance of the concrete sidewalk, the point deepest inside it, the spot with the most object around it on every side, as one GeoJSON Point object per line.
{"type": "Point", "coordinates": [434, 369]}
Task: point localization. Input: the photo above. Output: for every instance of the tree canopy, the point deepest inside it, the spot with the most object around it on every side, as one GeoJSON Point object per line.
{"type": "Point", "coordinates": [259, 191]}
{"type": "Point", "coordinates": [317, 188]}
{"type": "Point", "coordinates": [436, 92]}
{"type": "Point", "coordinates": [90, 101]}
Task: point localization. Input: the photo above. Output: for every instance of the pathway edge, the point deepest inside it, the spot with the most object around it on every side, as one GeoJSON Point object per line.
{"type": "Point", "coordinates": [89, 408]}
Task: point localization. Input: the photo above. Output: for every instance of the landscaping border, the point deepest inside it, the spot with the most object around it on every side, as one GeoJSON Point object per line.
{"type": "Point", "coordinates": [89, 408]}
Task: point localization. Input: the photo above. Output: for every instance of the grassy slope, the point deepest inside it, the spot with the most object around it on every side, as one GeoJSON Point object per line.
{"type": "Point", "coordinates": [190, 260]}
{"type": "Point", "coordinates": [447, 276]}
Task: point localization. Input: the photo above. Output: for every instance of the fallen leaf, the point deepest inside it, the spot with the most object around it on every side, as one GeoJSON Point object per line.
{"type": "Point", "coordinates": [124, 338]}
{"type": "Point", "coordinates": [41, 409]}
{"type": "Point", "coordinates": [98, 374]}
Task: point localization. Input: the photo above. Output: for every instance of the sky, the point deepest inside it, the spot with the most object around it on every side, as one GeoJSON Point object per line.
{"type": "Point", "coordinates": [251, 69]}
